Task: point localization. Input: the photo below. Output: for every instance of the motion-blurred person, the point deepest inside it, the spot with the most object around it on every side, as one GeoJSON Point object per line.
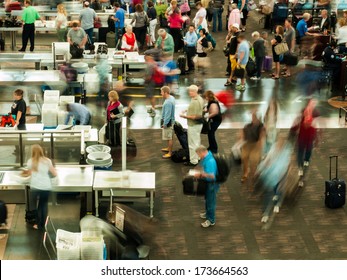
{"type": "Point", "coordinates": [242, 59]}
{"type": "Point", "coordinates": [19, 109]}
{"type": "Point", "coordinates": [214, 118]}
{"type": "Point", "coordinates": [87, 18]}
{"type": "Point", "coordinates": [276, 58]}
{"type": "Point", "coordinates": [140, 28]}
{"type": "Point", "coordinates": [61, 23]}
{"type": "Point", "coordinates": [208, 174]}
{"type": "Point", "coordinates": [152, 16]}
{"type": "Point", "coordinates": [102, 68]}
{"type": "Point", "coordinates": [29, 16]}
{"type": "Point", "coordinates": [168, 120]}
{"type": "Point", "coordinates": [253, 135]}
{"type": "Point", "coordinates": [194, 120]}
{"type": "Point", "coordinates": [77, 35]}
{"type": "Point", "coordinates": [259, 53]}
{"type": "Point", "coordinates": [190, 46]}
{"type": "Point", "coordinates": [124, 97]}
{"type": "Point", "coordinates": [270, 124]}
{"type": "Point", "coordinates": [114, 114]}
{"type": "Point", "coordinates": [305, 129]}
{"type": "Point", "coordinates": [341, 37]}
{"type": "Point", "coordinates": [201, 61]}
{"type": "Point", "coordinates": [165, 42]}
{"type": "Point", "coordinates": [129, 43]}
{"type": "Point", "coordinates": [80, 113]}
{"type": "Point", "coordinates": [119, 19]}
{"type": "Point", "coordinates": [41, 169]}
{"type": "Point", "coordinates": [271, 174]}
{"type": "Point", "coordinates": [200, 17]}
{"type": "Point", "coordinates": [170, 70]}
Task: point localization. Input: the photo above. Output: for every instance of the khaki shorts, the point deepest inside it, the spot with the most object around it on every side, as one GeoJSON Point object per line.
{"type": "Point", "coordinates": [167, 133]}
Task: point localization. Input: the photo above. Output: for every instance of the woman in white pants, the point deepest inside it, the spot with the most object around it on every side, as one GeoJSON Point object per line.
{"type": "Point", "coordinates": [152, 16]}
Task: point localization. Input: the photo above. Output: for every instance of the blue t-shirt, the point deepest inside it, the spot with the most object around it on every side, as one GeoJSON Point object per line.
{"type": "Point", "coordinates": [120, 15]}
{"type": "Point", "coordinates": [243, 48]}
{"type": "Point", "coordinates": [167, 67]}
{"type": "Point", "coordinates": [301, 27]}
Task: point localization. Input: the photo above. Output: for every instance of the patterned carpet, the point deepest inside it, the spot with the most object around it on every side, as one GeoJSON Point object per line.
{"type": "Point", "coordinates": [5, 228]}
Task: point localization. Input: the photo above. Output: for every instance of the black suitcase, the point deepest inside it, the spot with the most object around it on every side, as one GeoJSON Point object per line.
{"type": "Point", "coordinates": [290, 59]}
{"type": "Point", "coordinates": [30, 207]}
{"type": "Point", "coordinates": [191, 186]}
{"type": "Point", "coordinates": [3, 212]}
{"type": "Point", "coordinates": [181, 155]}
{"type": "Point", "coordinates": [181, 63]}
{"type": "Point", "coordinates": [335, 189]}
{"type": "Point", "coordinates": [182, 135]}
{"type": "Point", "coordinates": [113, 133]}
{"type": "Point", "coordinates": [251, 68]}
{"type": "Point", "coordinates": [2, 44]}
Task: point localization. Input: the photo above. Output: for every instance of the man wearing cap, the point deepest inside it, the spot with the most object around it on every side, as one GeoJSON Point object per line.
{"type": "Point", "coordinates": [194, 116]}
{"type": "Point", "coordinates": [87, 18]}
{"type": "Point", "coordinates": [29, 16]}
{"type": "Point", "coordinates": [232, 53]}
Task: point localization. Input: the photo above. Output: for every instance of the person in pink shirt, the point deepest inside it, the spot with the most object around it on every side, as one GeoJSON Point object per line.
{"type": "Point", "coordinates": [175, 20]}
{"type": "Point", "coordinates": [234, 16]}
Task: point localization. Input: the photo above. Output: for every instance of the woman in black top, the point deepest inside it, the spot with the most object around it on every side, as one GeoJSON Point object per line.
{"type": "Point", "coordinates": [276, 58]}
{"type": "Point", "coordinates": [201, 60]}
{"type": "Point", "coordinates": [214, 118]}
{"type": "Point", "coordinates": [19, 109]}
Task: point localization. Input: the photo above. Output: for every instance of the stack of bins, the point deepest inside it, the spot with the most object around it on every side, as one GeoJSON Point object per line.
{"type": "Point", "coordinates": [99, 149]}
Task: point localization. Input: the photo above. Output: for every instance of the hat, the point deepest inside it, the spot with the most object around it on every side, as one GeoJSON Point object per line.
{"type": "Point", "coordinates": [86, 3]}
{"type": "Point", "coordinates": [193, 88]}
{"type": "Point", "coordinates": [236, 25]}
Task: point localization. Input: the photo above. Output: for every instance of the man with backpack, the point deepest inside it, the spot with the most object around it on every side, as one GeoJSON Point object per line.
{"type": "Point", "coordinates": [209, 174]}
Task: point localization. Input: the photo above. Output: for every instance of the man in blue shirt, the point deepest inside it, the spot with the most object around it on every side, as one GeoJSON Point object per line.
{"type": "Point", "coordinates": [79, 112]}
{"type": "Point", "coordinates": [301, 27]}
{"type": "Point", "coordinates": [167, 120]}
{"type": "Point", "coordinates": [208, 174]}
{"type": "Point", "coordinates": [119, 19]}
{"type": "Point", "coordinates": [242, 59]}
{"type": "Point", "coordinates": [190, 45]}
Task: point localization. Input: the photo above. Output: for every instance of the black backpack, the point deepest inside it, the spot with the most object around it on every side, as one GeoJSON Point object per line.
{"type": "Point", "coordinates": [223, 167]}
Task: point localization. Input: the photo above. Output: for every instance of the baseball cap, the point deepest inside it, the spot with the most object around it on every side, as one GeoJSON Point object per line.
{"type": "Point", "coordinates": [236, 25]}
{"type": "Point", "coordinates": [193, 88]}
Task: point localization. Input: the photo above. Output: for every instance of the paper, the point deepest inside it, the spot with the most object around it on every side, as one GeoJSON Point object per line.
{"type": "Point", "coordinates": [119, 223]}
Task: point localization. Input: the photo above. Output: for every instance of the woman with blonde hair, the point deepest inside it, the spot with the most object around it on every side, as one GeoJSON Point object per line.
{"type": "Point", "coordinates": [214, 118]}
{"type": "Point", "coordinates": [41, 170]}
{"type": "Point", "coordinates": [114, 114]}
{"type": "Point", "coordinates": [61, 23]}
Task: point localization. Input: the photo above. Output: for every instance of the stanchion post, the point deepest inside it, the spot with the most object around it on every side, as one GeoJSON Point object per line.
{"type": "Point", "coordinates": [124, 143]}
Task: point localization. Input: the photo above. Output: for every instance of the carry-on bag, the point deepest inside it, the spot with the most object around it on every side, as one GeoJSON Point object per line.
{"type": "Point", "coordinates": [111, 39]}
{"type": "Point", "coordinates": [181, 63]}
{"type": "Point", "coordinates": [267, 64]}
{"type": "Point", "coordinates": [192, 186]}
{"type": "Point", "coordinates": [181, 134]}
{"type": "Point", "coordinates": [3, 213]}
{"type": "Point", "coordinates": [335, 189]}
{"type": "Point", "coordinates": [181, 155]}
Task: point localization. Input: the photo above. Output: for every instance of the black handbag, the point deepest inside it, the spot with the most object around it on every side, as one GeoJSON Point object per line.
{"type": "Point", "coordinates": [76, 51]}
{"type": "Point", "coordinates": [206, 127]}
{"type": "Point", "coordinates": [226, 50]}
{"type": "Point", "coordinates": [239, 72]}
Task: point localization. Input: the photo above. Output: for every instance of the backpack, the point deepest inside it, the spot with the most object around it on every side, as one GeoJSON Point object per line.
{"type": "Point", "coordinates": [7, 121]}
{"type": "Point", "coordinates": [223, 168]}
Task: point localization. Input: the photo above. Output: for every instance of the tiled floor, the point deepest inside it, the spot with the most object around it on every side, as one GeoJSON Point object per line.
{"type": "Point", "coordinates": [304, 228]}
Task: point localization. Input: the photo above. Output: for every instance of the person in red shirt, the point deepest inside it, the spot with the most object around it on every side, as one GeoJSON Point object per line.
{"type": "Point", "coordinates": [175, 20]}
{"type": "Point", "coordinates": [129, 40]}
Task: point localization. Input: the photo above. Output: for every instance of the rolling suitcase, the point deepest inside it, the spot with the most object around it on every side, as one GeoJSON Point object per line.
{"type": "Point", "coordinates": [181, 63]}
{"type": "Point", "coordinates": [111, 39]}
{"type": "Point", "coordinates": [194, 187]}
{"type": "Point", "coordinates": [3, 213]}
{"type": "Point", "coordinates": [267, 64]}
{"type": "Point", "coordinates": [335, 189]}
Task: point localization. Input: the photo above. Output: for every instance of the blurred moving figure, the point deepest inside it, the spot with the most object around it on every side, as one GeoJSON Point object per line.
{"type": "Point", "coordinates": [306, 131]}
{"type": "Point", "coordinates": [253, 134]}
{"type": "Point", "coordinates": [270, 123]}
{"type": "Point", "coordinates": [79, 112]}
{"type": "Point", "coordinates": [271, 175]}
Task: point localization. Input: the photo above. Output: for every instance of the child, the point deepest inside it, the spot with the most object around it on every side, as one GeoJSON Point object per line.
{"type": "Point", "coordinates": [259, 53]}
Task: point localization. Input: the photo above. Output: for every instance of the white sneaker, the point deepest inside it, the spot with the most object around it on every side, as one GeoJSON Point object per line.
{"type": "Point", "coordinates": [306, 163]}
{"type": "Point", "coordinates": [207, 223]}
{"type": "Point", "coordinates": [301, 172]}
{"type": "Point", "coordinates": [276, 209]}
{"type": "Point", "coordinates": [275, 198]}
{"type": "Point", "coordinates": [255, 78]}
{"type": "Point", "coordinates": [203, 215]}
{"type": "Point", "coordinates": [264, 219]}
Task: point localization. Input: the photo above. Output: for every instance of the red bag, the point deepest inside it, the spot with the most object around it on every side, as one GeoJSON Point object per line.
{"type": "Point", "coordinates": [158, 77]}
{"type": "Point", "coordinates": [7, 121]}
{"type": "Point", "coordinates": [226, 97]}
{"type": "Point", "coordinates": [14, 6]}
{"type": "Point", "coordinates": [97, 24]}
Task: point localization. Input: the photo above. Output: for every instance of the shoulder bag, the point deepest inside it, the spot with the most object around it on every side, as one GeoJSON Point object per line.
{"type": "Point", "coordinates": [281, 48]}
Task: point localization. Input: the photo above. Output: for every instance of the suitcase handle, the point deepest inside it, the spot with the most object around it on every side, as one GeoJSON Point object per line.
{"type": "Point", "coordinates": [336, 160]}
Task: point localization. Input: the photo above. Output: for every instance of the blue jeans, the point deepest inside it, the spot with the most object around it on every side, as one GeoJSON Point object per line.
{"type": "Point", "coordinates": [90, 35]}
{"type": "Point", "coordinates": [42, 207]}
{"type": "Point", "coordinates": [268, 199]}
{"type": "Point", "coordinates": [217, 15]}
{"type": "Point", "coordinates": [211, 201]}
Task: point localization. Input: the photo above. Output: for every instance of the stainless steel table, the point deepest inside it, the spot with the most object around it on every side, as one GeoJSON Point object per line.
{"type": "Point", "coordinates": [126, 181]}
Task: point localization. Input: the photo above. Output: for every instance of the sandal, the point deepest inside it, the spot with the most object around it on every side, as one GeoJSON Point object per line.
{"type": "Point", "coordinates": [275, 78]}
{"type": "Point", "coordinates": [286, 75]}
{"type": "Point", "coordinates": [243, 179]}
